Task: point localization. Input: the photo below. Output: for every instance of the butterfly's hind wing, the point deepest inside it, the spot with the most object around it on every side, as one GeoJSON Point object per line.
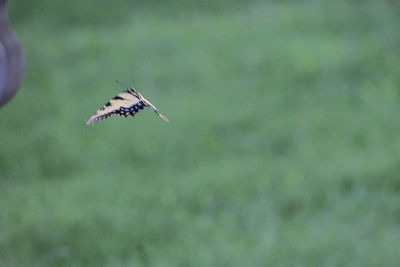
{"type": "Point", "coordinates": [120, 104]}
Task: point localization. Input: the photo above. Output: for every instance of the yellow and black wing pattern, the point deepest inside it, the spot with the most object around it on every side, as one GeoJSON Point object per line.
{"type": "Point", "coordinates": [126, 103]}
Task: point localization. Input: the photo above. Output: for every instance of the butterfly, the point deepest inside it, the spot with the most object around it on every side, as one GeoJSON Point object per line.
{"type": "Point", "coordinates": [126, 103]}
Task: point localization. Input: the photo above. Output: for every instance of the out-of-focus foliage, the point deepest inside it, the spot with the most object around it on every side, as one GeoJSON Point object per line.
{"type": "Point", "coordinates": [283, 146]}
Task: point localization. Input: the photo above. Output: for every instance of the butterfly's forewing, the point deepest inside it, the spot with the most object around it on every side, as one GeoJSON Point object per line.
{"type": "Point", "coordinates": [122, 104]}
{"type": "Point", "coordinates": [126, 103]}
{"type": "Point", "coordinates": [156, 110]}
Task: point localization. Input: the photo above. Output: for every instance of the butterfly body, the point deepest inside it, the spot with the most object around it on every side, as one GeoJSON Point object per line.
{"type": "Point", "coordinates": [126, 103]}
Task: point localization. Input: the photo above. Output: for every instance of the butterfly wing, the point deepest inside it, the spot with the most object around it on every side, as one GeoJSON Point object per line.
{"type": "Point", "coordinates": [156, 110]}
{"type": "Point", "coordinates": [126, 103]}
{"type": "Point", "coordinates": [123, 104]}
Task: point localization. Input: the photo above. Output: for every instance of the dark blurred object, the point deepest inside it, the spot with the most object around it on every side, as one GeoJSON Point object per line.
{"type": "Point", "coordinates": [11, 58]}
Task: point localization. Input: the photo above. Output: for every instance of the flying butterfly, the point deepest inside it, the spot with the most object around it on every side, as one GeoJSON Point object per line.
{"type": "Point", "coordinates": [126, 103]}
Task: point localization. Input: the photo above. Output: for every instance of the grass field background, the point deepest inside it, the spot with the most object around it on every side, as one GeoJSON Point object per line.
{"type": "Point", "coordinates": [283, 147]}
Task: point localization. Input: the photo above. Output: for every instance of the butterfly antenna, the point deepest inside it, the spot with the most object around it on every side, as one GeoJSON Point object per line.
{"type": "Point", "coordinates": [121, 83]}
{"type": "Point", "coordinates": [124, 84]}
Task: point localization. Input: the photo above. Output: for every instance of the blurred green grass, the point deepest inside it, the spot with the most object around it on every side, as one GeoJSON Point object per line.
{"type": "Point", "coordinates": [283, 149]}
